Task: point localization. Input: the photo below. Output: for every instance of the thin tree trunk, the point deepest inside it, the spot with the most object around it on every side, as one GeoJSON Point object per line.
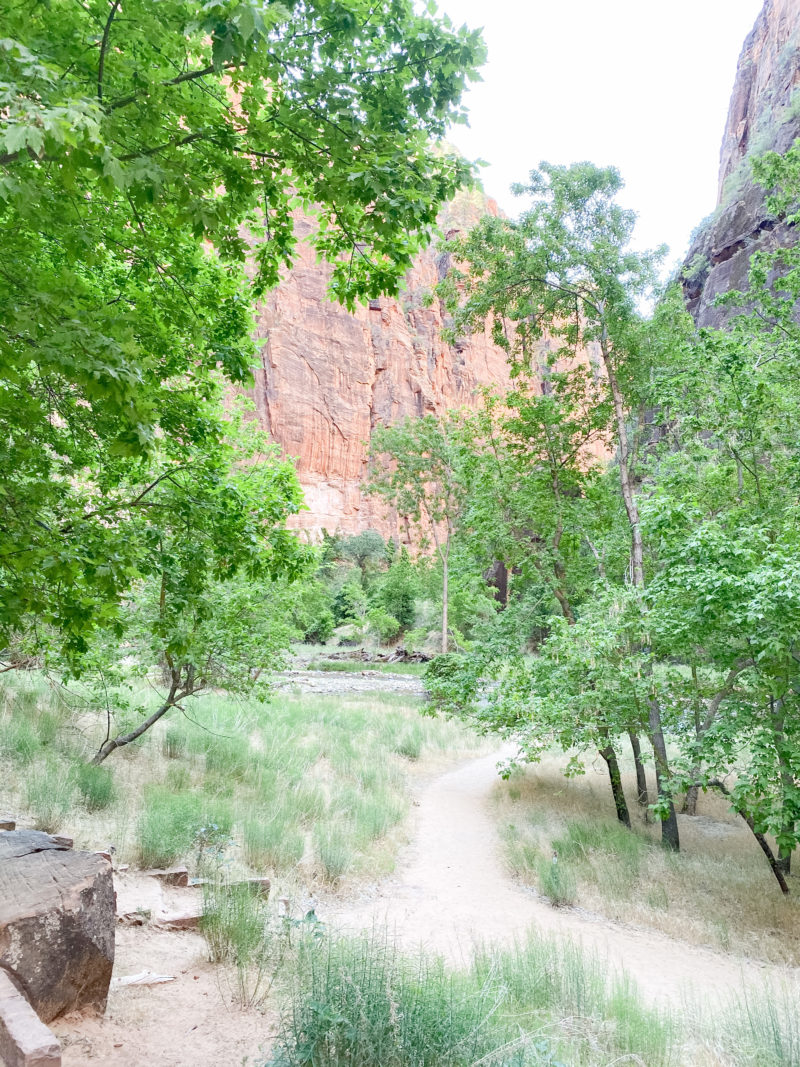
{"type": "Point", "coordinates": [610, 756]}
{"type": "Point", "coordinates": [669, 826]}
{"type": "Point", "coordinates": [787, 779]}
{"type": "Point", "coordinates": [445, 584]}
{"type": "Point", "coordinates": [670, 836]}
{"type": "Point", "coordinates": [641, 777]}
{"type": "Point", "coordinates": [113, 743]}
{"type": "Point", "coordinates": [762, 841]}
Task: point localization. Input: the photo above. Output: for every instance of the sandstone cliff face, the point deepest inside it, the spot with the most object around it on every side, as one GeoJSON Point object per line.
{"type": "Point", "coordinates": [328, 377]}
{"type": "Point", "coordinates": [764, 115]}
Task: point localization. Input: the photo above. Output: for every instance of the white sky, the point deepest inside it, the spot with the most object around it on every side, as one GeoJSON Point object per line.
{"type": "Point", "coordinates": [641, 85]}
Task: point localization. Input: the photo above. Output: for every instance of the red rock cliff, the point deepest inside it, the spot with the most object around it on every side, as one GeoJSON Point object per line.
{"type": "Point", "coordinates": [328, 377]}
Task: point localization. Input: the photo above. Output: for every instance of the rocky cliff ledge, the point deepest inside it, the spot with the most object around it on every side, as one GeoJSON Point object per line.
{"type": "Point", "coordinates": [764, 115]}
{"type": "Point", "coordinates": [328, 377]}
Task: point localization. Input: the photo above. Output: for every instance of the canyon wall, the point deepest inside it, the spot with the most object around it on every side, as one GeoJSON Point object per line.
{"type": "Point", "coordinates": [764, 115]}
{"type": "Point", "coordinates": [328, 377]}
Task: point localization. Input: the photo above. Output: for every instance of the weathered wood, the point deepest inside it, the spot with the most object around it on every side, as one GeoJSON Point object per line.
{"type": "Point", "coordinates": [56, 922]}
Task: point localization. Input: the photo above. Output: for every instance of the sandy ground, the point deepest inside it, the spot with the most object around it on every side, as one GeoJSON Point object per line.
{"type": "Point", "coordinates": [450, 889]}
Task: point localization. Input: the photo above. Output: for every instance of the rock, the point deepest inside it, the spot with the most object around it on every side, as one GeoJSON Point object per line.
{"type": "Point", "coordinates": [7, 823]}
{"type": "Point", "coordinates": [180, 920]}
{"type": "Point", "coordinates": [56, 922]}
{"type": "Point", "coordinates": [762, 117]}
{"type": "Point", "coordinates": [24, 1039]}
{"type": "Point", "coordinates": [327, 377]}
{"type": "Point", "coordinates": [171, 876]}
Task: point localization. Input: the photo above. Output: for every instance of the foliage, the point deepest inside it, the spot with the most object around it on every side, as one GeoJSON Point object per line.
{"type": "Point", "coordinates": [146, 156]}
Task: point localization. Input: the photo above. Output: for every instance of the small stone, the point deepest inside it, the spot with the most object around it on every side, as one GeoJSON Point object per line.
{"type": "Point", "coordinates": [170, 876]}
{"type": "Point", "coordinates": [7, 823]}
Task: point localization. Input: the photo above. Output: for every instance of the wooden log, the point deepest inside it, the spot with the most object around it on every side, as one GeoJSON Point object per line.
{"type": "Point", "coordinates": [56, 922]}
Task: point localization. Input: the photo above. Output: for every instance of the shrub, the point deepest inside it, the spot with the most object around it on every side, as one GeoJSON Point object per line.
{"type": "Point", "coordinates": [96, 786]}
{"type": "Point", "coordinates": [384, 625]}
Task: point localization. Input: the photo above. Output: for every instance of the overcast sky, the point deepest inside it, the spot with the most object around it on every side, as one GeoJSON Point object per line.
{"type": "Point", "coordinates": [639, 84]}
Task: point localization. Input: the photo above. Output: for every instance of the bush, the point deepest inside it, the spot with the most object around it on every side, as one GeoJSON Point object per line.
{"type": "Point", "coordinates": [399, 591]}
{"type": "Point", "coordinates": [96, 786]}
{"type": "Point", "coordinates": [385, 626]}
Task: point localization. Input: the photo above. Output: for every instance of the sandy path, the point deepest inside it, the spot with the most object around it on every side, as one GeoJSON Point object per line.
{"type": "Point", "coordinates": [451, 887]}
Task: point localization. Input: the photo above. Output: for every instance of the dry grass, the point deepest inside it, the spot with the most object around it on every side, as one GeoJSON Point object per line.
{"type": "Point", "coordinates": [717, 892]}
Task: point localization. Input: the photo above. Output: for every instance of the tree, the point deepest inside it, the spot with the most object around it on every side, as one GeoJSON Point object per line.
{"type": "Point", "coordinates": [210, 547]}
{"type": "Point", "coordinates": [146, 155]}
{"type": "Point", "coordinates": [415, 468]}
{"type": "Point", "coordinates": [564, 273]}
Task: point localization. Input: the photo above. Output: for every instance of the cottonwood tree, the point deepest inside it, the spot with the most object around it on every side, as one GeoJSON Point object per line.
{"type": "Point", "coordinates": [148, 150]}
{"type": "Point", "coordinates": [565, 272]}
{"type": "Point", "coordinates": [416, 468]}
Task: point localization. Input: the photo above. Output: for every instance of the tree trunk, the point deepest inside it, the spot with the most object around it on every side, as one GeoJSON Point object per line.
{"type": "Point", "coordinates": [669, 826]}
{"type": "Point", "coordinates": [641, 777]}
{"type": "Point", "coordinates": [762, 841]}
{"type": "Point", "coordinates": [610, 756]}
{"type": "Point", "coordinates": [445, 583]}
{"type": "Point", "coordinates": [690, 803]}
{"type": "Point", "coordinates": [787, 778]}
{"type": "Point", "coordinates": [113, 743]}
{"type": "Point", "coordinates": [670, 836]}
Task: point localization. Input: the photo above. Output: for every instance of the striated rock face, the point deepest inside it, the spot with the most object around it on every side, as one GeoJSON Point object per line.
{"type": "Point", "coordinates": [764, 115]}
{"type": "Point", "coordinates": [328, 377]}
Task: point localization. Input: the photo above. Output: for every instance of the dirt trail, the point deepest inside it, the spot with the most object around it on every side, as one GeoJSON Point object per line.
{"type": "Point", "coordinates": [451, 888]}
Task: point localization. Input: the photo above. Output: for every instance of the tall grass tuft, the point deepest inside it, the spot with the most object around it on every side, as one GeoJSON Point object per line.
{"type": "Point", "coordinates": [360, 1004]}
{"type": "Point", "coordinates": [95, 785]}
{"type": "Point", "coordinates": [49, 793]}
{"type": "Point", "coordinates": [237, 926]}
{"type": "Point", "coordinates": [272, 843]}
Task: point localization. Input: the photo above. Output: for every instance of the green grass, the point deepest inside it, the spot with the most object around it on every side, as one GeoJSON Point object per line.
{"type": "Point", "coordinates": [359, 1002]}
{"type": "Point", "coordinates": [49, 793]}
{"type": "Point", "coordinates": [95, 785]}
{"type": "Point", "coordinates": [317, 780]}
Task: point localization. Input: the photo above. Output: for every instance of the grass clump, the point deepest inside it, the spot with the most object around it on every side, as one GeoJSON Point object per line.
{"type": "Point", "coordinates": [334, 852]}
{"type": "Point", "coordinates": [49, 793]}
{"type": "Point", "coordinates": [95, 785]}
{"type": "Point", "coordinates": [272, 843]}
{"type": "Point", "coordinates": [359, 1002]}
{"type": "Point", "coordinates": [174, 743]}
{"type": "Point", "coordinates": [173, 824]}
{"type": "Point", "coordinates": [557, 883]}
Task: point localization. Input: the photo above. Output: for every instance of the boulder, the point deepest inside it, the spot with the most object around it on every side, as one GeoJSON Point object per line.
{"type": "Point", "coordinates": [56, 922]}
